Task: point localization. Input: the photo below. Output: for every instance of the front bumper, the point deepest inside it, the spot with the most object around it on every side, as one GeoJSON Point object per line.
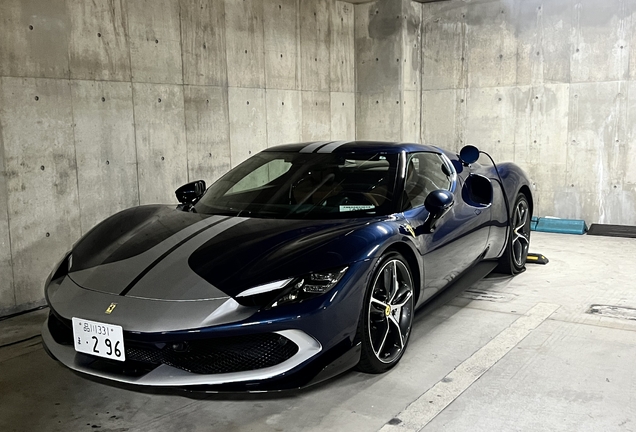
{"type": "Point", "coordinates": [168, 376]}
{"type": "Point", "coordinates": [323, 330]}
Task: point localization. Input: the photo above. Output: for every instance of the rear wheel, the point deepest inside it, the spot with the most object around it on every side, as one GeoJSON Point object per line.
{"type": "Point", "coordinates": [387, 315]}
{"type": "Point", "coordinates": [513, 260]}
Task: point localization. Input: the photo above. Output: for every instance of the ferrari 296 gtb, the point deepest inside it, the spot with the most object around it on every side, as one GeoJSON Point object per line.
{"type": "Point", "coordinates": [300, 263]}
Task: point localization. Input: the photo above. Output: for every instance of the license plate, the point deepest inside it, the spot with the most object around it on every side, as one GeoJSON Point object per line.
{"type": "Point", "coordinates": [99, 339]}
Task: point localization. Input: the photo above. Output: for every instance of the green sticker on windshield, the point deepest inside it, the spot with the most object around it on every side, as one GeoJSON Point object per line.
{"type": "Point", "coordinates": [348, 208]}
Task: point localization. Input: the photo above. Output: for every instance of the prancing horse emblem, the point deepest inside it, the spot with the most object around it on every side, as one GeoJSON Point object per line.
{"type": "Point", "coordinates": [408, 229]}
{"type": "Point", "coordinates": [111, 308]}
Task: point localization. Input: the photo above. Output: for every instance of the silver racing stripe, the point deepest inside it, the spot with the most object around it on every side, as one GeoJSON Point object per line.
{"type": "Point", "coordinates": [331, 147]}
{"type": "Point", "coordinates": [313, 146]}
{"type": "Point", "coordinates": [173, 279]}
{"type": "Point", "coordinates": [116, 276]}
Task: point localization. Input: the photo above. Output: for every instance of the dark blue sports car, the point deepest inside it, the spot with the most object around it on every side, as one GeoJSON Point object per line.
{"type": "Point", "coordinates": [302, 262]}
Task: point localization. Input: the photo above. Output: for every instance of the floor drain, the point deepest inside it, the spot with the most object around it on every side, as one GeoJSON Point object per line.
{"type": "Point", "coordinates": [613, 311]}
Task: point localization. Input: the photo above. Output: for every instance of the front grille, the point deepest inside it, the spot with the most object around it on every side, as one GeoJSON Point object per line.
{"type": "Point", "coordinates": [221, 355]}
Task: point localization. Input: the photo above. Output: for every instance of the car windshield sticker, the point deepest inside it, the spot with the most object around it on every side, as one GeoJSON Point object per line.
{"type": "Point", "coordinates": [348, 208]}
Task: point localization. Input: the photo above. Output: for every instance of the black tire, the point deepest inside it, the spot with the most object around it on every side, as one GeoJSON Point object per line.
{"type": "Point", "coordinates": [387, 315]}
{"type": "Point", "coordinates": [513, 260]}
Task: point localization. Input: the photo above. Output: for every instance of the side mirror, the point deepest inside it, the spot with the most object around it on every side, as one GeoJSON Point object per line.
{"type": "Point", "coordinates": [438, 203]}
{"type": "Point", "coordinates": [190, 193]}
{"type": "Point", "coordinates": [469, 154]}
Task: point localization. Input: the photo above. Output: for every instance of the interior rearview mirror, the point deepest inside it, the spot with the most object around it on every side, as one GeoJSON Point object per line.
{"type": "Point", "coordinates": [188, 194]}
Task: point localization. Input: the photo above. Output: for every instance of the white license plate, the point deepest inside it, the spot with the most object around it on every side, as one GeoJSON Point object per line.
{"type": "Point", "coordinates": [99, 339]}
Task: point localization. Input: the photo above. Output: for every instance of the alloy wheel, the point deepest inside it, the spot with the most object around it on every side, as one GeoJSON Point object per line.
{"type": "Point", "coordinates": [390, 311]}
{"type": "Point", "coordinates": [521, 233]}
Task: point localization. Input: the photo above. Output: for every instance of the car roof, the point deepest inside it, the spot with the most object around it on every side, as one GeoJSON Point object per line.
{"type": "Point", "coordinates": [353, 147]}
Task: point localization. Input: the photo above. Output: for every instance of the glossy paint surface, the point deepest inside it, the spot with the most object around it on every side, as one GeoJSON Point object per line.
{"type": "Point", "coordinates": [175, 274]}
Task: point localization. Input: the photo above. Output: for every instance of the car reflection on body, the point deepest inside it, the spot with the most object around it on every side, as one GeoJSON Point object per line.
{"type": "Point", "coordinates": [300, 263]}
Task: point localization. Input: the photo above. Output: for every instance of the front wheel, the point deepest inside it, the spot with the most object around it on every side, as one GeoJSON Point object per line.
{"type": "Point", "coordinates": [387, 315]}
{"type": "Point", "coordinates": [513, 260]}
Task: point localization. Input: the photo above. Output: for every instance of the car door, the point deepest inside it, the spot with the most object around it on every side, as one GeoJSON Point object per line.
{"type": "Point", "coordinates": [459, 238]}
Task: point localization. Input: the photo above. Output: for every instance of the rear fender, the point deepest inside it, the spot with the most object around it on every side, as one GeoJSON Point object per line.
{"type": "Point", "coordinates": [514, 180]}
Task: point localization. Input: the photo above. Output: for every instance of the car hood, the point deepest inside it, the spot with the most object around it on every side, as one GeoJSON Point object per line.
{"type": "Point", "coordinates": [158, 252]}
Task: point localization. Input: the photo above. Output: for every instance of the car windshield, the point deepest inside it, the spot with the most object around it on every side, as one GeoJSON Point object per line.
{"type": "Point", "coordinates": [305, 186]}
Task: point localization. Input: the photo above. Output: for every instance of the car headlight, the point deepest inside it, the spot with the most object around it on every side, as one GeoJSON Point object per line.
{"type": "Point", "coordinates": [293, 290]}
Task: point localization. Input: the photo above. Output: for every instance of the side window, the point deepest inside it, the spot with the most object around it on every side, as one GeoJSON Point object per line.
{"type": "Point", "coordinates": [424, 173]}
{"type": "Point", "coordinates": [261, 176]}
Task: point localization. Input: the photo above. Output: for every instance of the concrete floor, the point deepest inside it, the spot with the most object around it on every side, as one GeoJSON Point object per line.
{"type": "Point", "coordinates": [571, 371]}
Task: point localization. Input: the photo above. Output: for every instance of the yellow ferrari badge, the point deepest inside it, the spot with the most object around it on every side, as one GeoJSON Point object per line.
{"type": "Point", "coordinates": [387, 311]}
{"type": "Point", "coordinates": [111, 308]}
{"type": "Point", "coordinates": [410, 229]}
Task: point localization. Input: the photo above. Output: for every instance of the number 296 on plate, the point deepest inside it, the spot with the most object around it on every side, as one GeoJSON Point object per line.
{"type": "Point", "coordinates": [99, 339]}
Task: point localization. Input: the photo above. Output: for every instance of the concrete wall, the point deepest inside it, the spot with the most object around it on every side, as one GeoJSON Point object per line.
{"type": "Point", "coordinates": [549, 84]}
{"type": "Point", "coordinates": [388, 64]}
{"type": "Point", "coordinates": [109, 104]}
